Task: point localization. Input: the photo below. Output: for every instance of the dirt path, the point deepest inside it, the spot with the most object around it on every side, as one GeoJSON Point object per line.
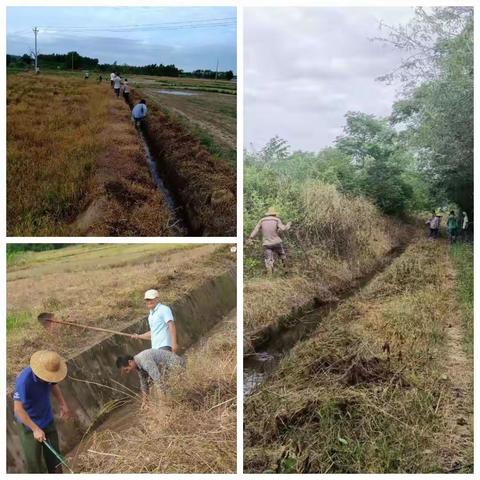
{"type": "Point", "coordinates": [459, 373]}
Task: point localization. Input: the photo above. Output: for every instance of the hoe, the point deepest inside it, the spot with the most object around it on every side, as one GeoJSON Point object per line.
{"type": "Point", "coordinates": [78, 325]}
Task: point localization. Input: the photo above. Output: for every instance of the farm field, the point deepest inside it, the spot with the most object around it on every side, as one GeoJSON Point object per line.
{"type": "Point", "coordinates": [89, 173]}
{"type": "Point", "coordinates": [208, 107]}
{"type": "Point", "coordinates": [70, 279]}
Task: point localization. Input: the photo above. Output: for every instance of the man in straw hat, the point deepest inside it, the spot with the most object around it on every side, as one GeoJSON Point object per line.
{"type": "Point", "coordinates": [271, 227]}
{"type": "Point", "coordinates": [163, 332]}
{"type": "Point", "coordinates": [33, 409]}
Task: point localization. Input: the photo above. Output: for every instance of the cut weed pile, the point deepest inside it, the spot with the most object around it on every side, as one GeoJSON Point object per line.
{"type": "Point", "coordinates": [75, 165]}
{"type": "Point", "coordinates": [328, 255]}
{"type": "Point", "coordinates": [99, 285]}
{"type": "Point", "coordinates": [380, 386]}
{"type": "Point", "coordinates": [192, 430]}
{"type": "Point", "coordinates": [205, 186]}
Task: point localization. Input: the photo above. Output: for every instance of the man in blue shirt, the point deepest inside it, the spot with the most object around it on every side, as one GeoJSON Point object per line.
{"type": "Point", "coordinates": [139, 112]}
{"type": "Point", "coordinates": [162, 333]}
{"type": "Point", "coordinates": [33, 410]}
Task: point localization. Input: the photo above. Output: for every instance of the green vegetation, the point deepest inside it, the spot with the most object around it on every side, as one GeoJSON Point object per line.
{"type": "Point", "coordinates": [462, 255]}
{"type": "Point", "coordinates": [18, 320]}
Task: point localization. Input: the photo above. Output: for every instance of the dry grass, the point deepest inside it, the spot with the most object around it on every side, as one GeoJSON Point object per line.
{"type": "Point", "coordinates": [99, 285]}
{"type": "Point", "coordinates": [192, 431]}
{"type": "Point", "coordinates": [374, 388]}
{"type": "Point", "coordinates": [338, 241]}
{"type": "Point", "coordinates": [206, 187]}
{"type": "Point", "coordinates": [75, 165]}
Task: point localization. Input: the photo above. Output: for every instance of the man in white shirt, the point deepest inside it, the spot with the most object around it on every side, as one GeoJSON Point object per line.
{"type": "Point", "coordinates": [112, 79]}
{"type": "Point", "coordinates": [117, 83]}
{"type": "Point", "coordinates": [163, 332]}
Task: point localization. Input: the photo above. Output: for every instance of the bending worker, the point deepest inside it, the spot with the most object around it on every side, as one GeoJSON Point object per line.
{"type": "Point", "coordinates": [33, 410]}
{"type": "Point", "coordinates": [151, 365]}
{"type": "Point", "coordinates": [163, 332]}
{"type": "Point", "coordinates": [139, 112]}
{"type": "Point", "coordinates": [271, 226]}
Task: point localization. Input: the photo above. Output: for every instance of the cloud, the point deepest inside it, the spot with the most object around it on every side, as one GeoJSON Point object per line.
{"type": "Point", "coordinates": [306, 67]}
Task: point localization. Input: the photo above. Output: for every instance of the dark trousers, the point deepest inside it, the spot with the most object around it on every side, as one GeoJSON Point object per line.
{"type": "Point", "coordinates": [167, 348]}
{"type": "Point", "coordinates": [126, 96]}
{"type": "Point", "coordinates": [34, 451]}
{"type": "Point", "coordinates": [433, 233]}
{"type": "Point", "coordinates": [117, 92]}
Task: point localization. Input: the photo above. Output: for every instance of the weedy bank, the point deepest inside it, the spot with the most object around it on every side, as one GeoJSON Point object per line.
{"type": "Point", "coordinates": [382, 385]}
{"type": "Point", "coordinates": [75, 165]}
{"type": "Point", "coordinates": [335, 241]}
{"type": "Point", "coordinates": [99, 285]}
{"type": "Point", "coordinates": [191, 430]}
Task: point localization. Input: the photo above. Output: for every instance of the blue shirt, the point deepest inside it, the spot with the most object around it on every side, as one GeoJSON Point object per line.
{"type": "Point", "coordinates": [157, 320]}
{"type": "Point", "coordinates": [139, 110]}
{"type": "Point", "coordinates": [35, 397]}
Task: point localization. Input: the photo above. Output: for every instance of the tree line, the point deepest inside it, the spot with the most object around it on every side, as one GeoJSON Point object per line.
{"type": "Point", "coordinates": [75, 61]}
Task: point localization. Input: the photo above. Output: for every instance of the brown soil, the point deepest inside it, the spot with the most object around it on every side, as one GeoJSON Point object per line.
{"type": "Point", "coordinates": [122, 198]}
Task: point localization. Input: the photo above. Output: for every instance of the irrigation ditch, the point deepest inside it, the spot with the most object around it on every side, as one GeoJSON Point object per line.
{"type": "Point", "coordinates": [273, 343]}
{"type": "Point", "coordinates": [93, 387]}
{"type": "Point", "coordinates": [199, 188]}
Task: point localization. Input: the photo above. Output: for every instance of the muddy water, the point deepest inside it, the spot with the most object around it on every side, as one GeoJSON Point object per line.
{"type": "Point", "coordinates": [178, 92]}
{"type": "Point", "coordinates": [260, 364]}
{"type": "Point", "coordinates": [278, 342]}
{"type": "Point", "coordinates": [175, 209]}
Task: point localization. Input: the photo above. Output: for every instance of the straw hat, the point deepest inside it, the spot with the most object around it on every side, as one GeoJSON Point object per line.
{"type": "Point", "coordinates": [271, 211]}
{"type": "Point", "coordinates": [48, 366]}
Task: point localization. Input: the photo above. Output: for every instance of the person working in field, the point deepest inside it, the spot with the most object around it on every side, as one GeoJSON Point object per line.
{"type": "Point", "coordinates": [434, 225]}
{"type": "Point", "coordinates": [452, 227]}
{"type": "Point", "coordinates": [87, 75]}
{"type": "Point", "coordinates": [99, 79]}
{"type": "Point", "coordinates": [139, 112]}
{"type": "Point", "coordinates": [163, 332]}
{"type": "Point", "coordinates": [151, 365]}
{"type": "Point", "coordinates": [112, 79]}
{"type": "Point", "coordinates": [33, 410]}
{"type": "Point", "coordinates": [126, 90]}
{"type": "Point", "coordinates": [117, 83]}
{"type": "Point", "coordinates": [464, 222]}
{"type": "Point", "coordinates": [271, 227]}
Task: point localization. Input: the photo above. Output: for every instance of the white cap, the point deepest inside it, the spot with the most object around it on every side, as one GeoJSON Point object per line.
{"type": "Point", "coordinates": [151, 294]}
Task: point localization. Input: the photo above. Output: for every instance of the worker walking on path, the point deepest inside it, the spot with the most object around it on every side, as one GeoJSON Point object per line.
{"type": "Point", "coordinates": [452, 227]}
{"type": "Point", "coordinates": [163, 332]}
{"type": "Point", "coordinates": [271, 227]}
{"type": "Point", "coordinates": [117, 83]}
{"type": "Point", "coordinates": [33, 409]}
{"type": "Point", "coordinates": [139, 112]}
{"type": "Point", "coordinates": [126, 90]}
{"type": "Point", "coordinates": [434, 225]}
{"type": "Point", "coordinates": [464, 222]}
{"type": "Point", "coordinates": [152, 365]}
{"type": "Point", "coordinates": [112, 79]}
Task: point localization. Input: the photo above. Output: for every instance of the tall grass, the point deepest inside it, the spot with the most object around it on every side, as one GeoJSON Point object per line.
{"type": "Point", "coordinates": [191, 430]}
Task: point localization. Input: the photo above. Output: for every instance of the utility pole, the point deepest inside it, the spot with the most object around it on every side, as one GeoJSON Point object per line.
{"type": "Point", "coordinates": [35, 31]}
{"type": "Point", "coordinates": [216, 71]}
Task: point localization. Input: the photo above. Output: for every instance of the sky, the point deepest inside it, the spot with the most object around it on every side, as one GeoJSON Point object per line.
{"type": "Point", "coordinates": [305, 68]}
{"type": "Point", "coordinates": [121, 34]}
